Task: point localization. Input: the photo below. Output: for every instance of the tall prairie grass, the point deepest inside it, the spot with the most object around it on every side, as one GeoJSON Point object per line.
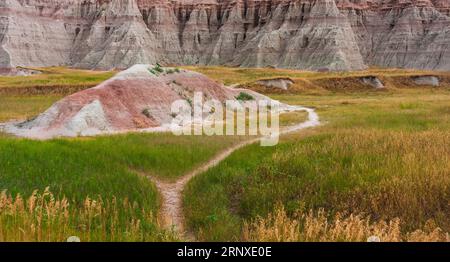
{"type": "Point", "coordinates": [320, 226]}
{"type": "Point", "coordinates": [41, 217]}
{"type": "Point", "coordinates": [385, 175]}
{"type": "Point", "coordinates": [97, 193]}
{"type": "Point", "coordinates": [379, 166]}
{"type": "Point", "coordinates": [383, 157]}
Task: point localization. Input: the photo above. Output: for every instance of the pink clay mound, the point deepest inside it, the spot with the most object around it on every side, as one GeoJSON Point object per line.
{"type": "Point", "coordinates": [139, 98]}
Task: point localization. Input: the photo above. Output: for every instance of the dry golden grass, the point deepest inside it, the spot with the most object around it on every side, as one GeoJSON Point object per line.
{"type": "Point", "coordinates": [292, 118]}
{"type": "Point", "coordinates": [24, 107]}
{"type": "Point", "coordinates": [56, 76]}
{"type": "Point", "coordinates": [392, 174]}
{"type": "Point", "coordinates": [322, 83]}
{"type": "Point", "coordinates": [43, 218]}
{"type": "Point", "coordinates": [235, 75]}
{"type": "Point", "coordinates": [380, 155]}
{"type": "Point", "coordinates": [319, 227]}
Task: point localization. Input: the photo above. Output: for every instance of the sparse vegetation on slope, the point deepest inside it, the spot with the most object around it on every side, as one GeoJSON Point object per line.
{"type": "Point", "coordinates": [244, 97]}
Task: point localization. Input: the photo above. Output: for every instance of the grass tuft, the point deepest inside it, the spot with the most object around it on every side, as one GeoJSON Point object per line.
{"type": "Point", "coordinates": [42, 218]}
{"type": "Point", "coordinates": [244, 97]}
{"type": "Point", "coordinates": [320, 226]}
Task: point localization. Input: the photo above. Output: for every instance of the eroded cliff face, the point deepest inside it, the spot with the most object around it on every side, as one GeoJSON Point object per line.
{"type": "Point", "coordinates": [401, 33]}
{"type": "Point", "coordinates": [304, 34]}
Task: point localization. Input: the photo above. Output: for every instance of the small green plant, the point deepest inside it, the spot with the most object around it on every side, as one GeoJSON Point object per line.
{"type": "Point", "coordinates": [244, 97]}
{"type": "Point", "coordinates": [189, 101]}
{"type": "Point", "coordinates": [158, 68]}
{"type": "Point", "coordinates": [212, 218]}
{"type": "Point", "coordinates": [406, 106]}
{"type": "Point", "coordinates": [170, 71]}
{"type": "Point", "coordinates": [177, 70]}
{"type": "Point", "coordinates": [146, 112]}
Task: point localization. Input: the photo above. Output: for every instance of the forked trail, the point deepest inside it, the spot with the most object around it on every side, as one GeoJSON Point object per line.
{"type": "Point", "coordinates": [171, 212]}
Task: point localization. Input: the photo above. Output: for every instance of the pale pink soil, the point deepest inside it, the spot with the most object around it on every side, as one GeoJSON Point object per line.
{"type": "Point", "coordinates": [133, 100]}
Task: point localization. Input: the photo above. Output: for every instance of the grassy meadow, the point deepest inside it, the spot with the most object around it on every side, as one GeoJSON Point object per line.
{"type": "Point", "coordinates": [19, 107]}
{"type": "Point", "coordinates": [87, 187]}
{"type": "Point", "coordinates": [104, 169]}
{"type": "Point", "coordinates": [379, 164]}
{"type": "Point", "coordinates": [311, 81]}
{"type": "Point", "coordinates": [54, 77]}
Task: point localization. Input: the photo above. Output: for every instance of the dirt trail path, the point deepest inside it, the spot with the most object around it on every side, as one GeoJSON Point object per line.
{"type": "Point", "coordinates": [171, 212]}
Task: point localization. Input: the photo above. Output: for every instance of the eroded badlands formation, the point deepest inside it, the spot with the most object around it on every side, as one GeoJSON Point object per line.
{"type": "Point", "coordinates": [304, 34]}
{"type": "Point", "coordinates": [139, 98]}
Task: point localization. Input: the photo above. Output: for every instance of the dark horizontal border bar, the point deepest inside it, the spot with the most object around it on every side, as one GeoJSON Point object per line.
{"type": "Point", "coordinates": [223, 251]}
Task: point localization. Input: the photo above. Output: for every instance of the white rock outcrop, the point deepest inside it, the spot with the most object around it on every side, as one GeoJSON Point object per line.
{"type": "Point", "coordinates": [426, 80]}
{"type": "Point", "coordinates": [372, 81]}
{"type": "Point", "coordinates": [280, 83]}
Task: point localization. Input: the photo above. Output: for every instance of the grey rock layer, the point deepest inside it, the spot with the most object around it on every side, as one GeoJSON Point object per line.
{"type": "Point", "coordinates": [280, 83]}
{"type": "Point", "coordinates": [426, 81]}
{"type": "Point", "coordinates": [372, 81]}
{"type": "Point", "coordinates": [302, 34]}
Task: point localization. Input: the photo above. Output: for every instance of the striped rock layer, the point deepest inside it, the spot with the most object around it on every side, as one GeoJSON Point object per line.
{"type": "Point", "coordinates": [302, 34]}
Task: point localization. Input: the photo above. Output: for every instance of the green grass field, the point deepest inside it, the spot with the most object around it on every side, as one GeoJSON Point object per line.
{"type": "Point", "coordinates": [386, 156]}
{"type": "Point", "coordinates": [103, 168]}
{"type": "Point", "coordinates": [378, 156]}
